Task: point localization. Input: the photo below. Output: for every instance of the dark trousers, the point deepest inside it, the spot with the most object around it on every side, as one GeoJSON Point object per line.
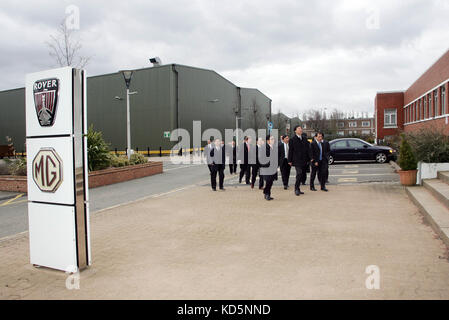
{"type": "Point", "coordinates": [268, 184]}
{"type": "Point", "coordinates": [210, 168]}
{"type": "Point", "coordinates": [325, 164]}
{"type": "Point", "coordinates": [320, 170]}
{"type": "Point", "coordinates": [233, 168]}
{"type": "Point", "coordinates": [299, 173]}
{"type": "Point", "coordinates": [245, 170]}
{"type": "Point", "coordinates": [305, 169]}
{"type": "Point", "coordinates": [254, 170]}
{"type": "Point", "coordinates": [285, 172]}
{"type": "Point", "coordinates": [261, 180]}
{"type": "Point", "coordinates": [217, 168]}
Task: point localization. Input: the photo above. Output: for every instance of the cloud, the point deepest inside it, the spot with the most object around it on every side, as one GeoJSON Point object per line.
{"type": "Point", "coordinates": [302, 54]}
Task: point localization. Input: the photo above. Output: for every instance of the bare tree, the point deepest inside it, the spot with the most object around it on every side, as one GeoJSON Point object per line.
{"type": "Point", "coordinates": [280, 122]}
{"type": "Point", "coordinates": [316, 120]}
{"type": "Point", "coordinates": [65, 48]}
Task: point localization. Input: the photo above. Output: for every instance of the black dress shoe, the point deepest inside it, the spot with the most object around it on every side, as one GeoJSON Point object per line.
{"type": "Point", "coordinates": [252, 185]}
{"type": "Point", "coordinates": [298, 193]}
{"type": "Point", "coordinates": [325, 190]}
{"type": "Point", "coordinates": [285, 188]}
{"type": "Point", "coordinates": [313, 189]}
{"type": "Point", "coordinates": [268, 198]}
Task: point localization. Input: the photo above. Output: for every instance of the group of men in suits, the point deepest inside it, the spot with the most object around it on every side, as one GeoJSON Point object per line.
{"type": "Point", "coordinates": [299, 153]}
{"type": "Point", "coordinates": [264, 160]}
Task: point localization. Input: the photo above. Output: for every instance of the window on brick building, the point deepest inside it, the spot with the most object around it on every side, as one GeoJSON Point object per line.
{"type": "Point", "coordinates": [390, 118]}
{"type": "Point", "coordinates": [430, 105]}
{"type": "Point", "coordinates": [353, 124]}
{"type": "Point", "coordinates": [418, 111]}
{"type": "Point", "coordinates": [425, 108]}
{"type": "Point", "coordinates": [435, 104]}
{"type": "Point", "coordinates": [366, 124]}
{"type": "Point", "coordinates": [341, 124]}
{"type": "Point", "coordinates": [421, 110]}
{"type": "Point", "coordinates": [443, 100]}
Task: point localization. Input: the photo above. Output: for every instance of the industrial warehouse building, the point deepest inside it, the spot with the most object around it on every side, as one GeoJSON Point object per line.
{"type": "Point", "coordinates": [423, 105]}
{"type": "Point", "coordinates": [168, 97]}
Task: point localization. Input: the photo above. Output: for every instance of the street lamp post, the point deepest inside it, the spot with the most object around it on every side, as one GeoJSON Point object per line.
{"type": "Point", "coordinates": [127, 75]}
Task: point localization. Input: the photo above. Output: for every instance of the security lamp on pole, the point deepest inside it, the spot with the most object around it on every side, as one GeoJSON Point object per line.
{"type": "Point", "coordinates": [127, 75]}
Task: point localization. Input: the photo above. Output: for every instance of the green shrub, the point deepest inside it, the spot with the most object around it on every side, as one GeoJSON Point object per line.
{"type": "Point", "coordinates": [97, 150]}
{"type": "Point", "coordinates": [137, 158]}
{"type": "Point", "coordinates": [430, 145]}
{"type": "Point", "coordinates": [118, 161]}
{"type": "Point", "coordinates": [18, 167]}
{"type": "Point", "coordinates": [407, 159]}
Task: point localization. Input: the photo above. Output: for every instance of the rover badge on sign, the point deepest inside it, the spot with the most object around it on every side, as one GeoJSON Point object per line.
{"type": "Point", "coordinates": [46, 100]}
{"type": "Point", "coordinates": [47, 170]}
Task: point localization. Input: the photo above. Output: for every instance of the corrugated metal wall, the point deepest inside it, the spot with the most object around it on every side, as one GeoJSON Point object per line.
{"type": "Point", "coordinates": [150, 109]}
{"type": "Point", "coordinates": [12, 117]}
{"type": "Point", "coordinates": [206, 96]}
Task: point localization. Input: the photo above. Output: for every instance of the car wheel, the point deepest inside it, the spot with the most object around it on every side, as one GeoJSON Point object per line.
{"type": "Point", "coordinates": [381, 158]}
{"type": "Point", "coordinates": [331, 160]}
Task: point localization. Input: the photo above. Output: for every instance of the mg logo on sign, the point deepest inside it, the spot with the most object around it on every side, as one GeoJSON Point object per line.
{"type": "Point", "coordinates": [47, 170]}
{"type": "Point", "coordinates": [46, 100]}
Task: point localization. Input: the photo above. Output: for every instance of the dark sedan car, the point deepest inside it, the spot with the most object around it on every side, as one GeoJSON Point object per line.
{"type": "Point", "coordinates": [357, 149]}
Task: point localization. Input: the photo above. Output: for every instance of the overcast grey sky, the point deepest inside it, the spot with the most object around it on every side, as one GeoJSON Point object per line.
{"type": "Point", "coordinates": [302, 54]}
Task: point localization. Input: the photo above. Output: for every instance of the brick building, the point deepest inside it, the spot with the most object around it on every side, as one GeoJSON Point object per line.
{"type": "Point", "coordinates": [423, 105]}
{"type": "Point", "coordinates": [360, 127]}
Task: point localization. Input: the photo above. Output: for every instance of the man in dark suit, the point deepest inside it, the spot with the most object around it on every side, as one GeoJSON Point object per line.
{"type": "Point", "coordinates": [245, 167]}
{"type": "Point", "coordinates": [298, 154]}
{"type": "Point", "coordinates": [232, 154]}
{"type": "Point", "coordinates": [283, 160]}
{"type": "Point", "coordinates": [256, 167]}
{"type": "Point", "coordinates": [218, 157]}
{"type": "Point", "coordinates": [326, 152]}
{"type": "Point", "coordinates": [318, 162]}
{"type": "Point", "coordinates": [306, 168]}
{"type": "Point", "coordinates": [268, 165]}
{"type": "Point", "coordinates": [207, 150]}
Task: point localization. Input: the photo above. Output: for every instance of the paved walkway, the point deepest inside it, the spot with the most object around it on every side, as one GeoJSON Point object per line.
{"type": "Point", "coordinates": [196, 244]}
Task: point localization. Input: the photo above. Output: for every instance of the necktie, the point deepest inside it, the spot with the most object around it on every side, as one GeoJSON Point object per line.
{"type": "Point", "coordinates": [321, 151]}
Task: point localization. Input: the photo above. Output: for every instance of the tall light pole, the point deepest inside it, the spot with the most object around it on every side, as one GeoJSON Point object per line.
{"type": "Point", "coordinates": [127, 75]}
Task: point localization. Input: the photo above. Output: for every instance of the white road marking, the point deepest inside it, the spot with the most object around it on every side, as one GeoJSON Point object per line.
{"type": "Point", "coordinates": [350, 171]}
{"type": "Point", "coordinates": [364, 175]}
{"type": "Point", "coordinates": [347, 180]}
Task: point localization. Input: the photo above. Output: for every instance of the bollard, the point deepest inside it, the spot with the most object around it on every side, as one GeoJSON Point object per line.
{"type": "Point", "coordinates": [160, 151]}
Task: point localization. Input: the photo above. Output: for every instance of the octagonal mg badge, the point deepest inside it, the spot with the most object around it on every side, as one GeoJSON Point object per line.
{"type": "Point", "coordinates": [47, 170]}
